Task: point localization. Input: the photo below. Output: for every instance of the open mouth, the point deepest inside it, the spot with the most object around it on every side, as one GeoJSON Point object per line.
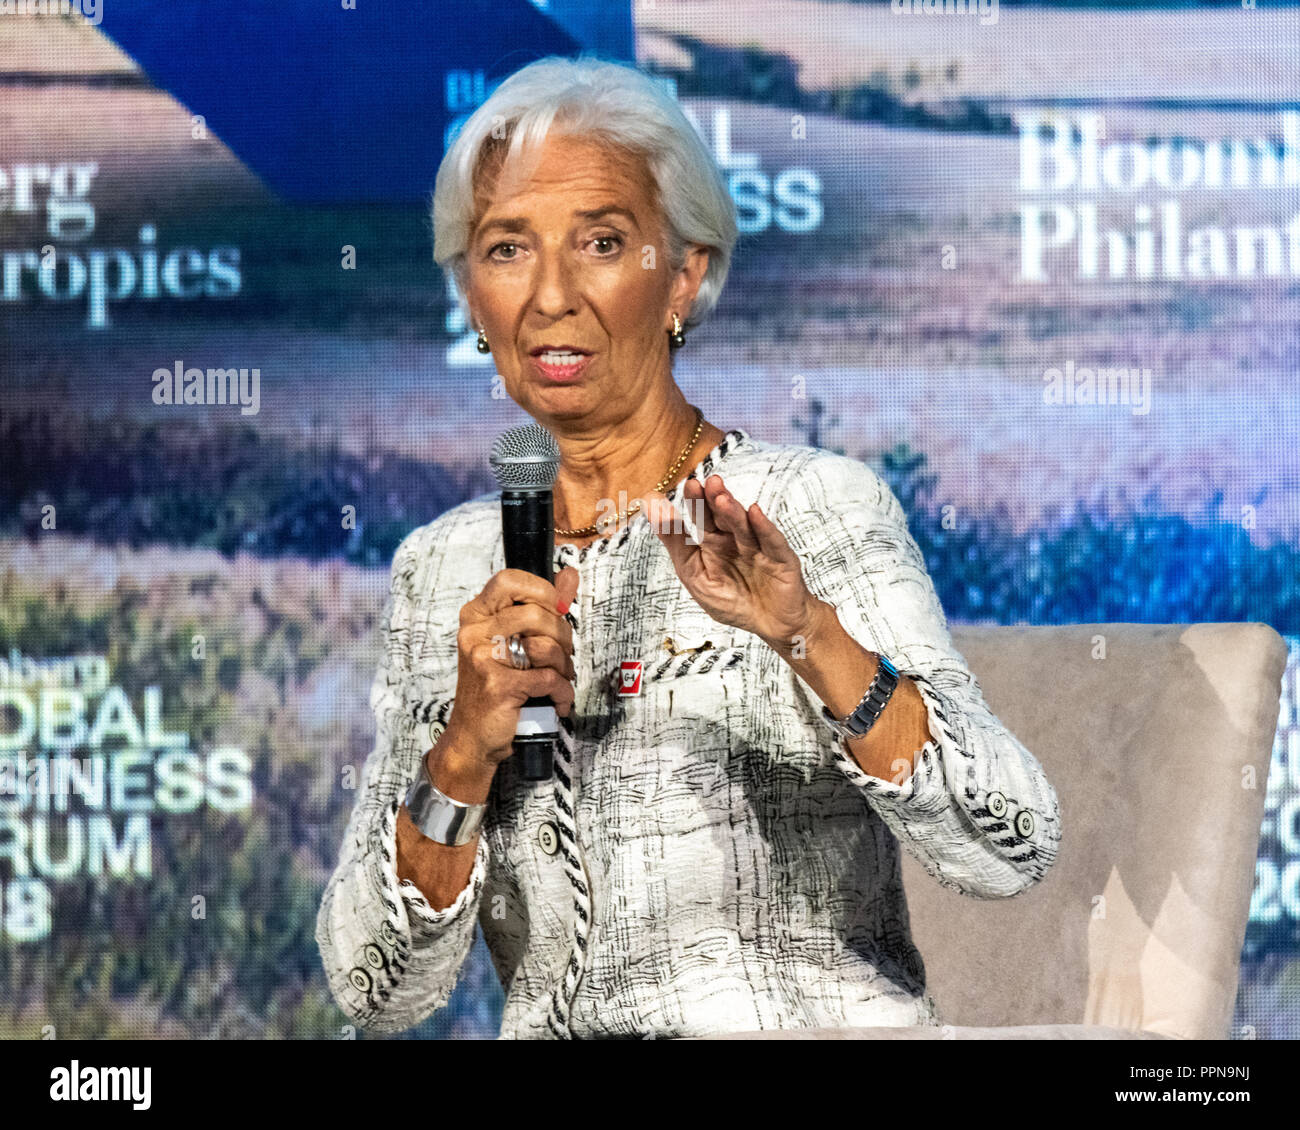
{"type": "Point", "coordinates": [560, 364]}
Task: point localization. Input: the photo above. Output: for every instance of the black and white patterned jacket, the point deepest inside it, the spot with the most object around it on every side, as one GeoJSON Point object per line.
{"type": "Point", "coordinates": [708, 857]}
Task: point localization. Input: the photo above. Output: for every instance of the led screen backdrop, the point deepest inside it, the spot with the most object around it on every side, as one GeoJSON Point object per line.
{"type": "Point", "coordinates": [1038, 264]}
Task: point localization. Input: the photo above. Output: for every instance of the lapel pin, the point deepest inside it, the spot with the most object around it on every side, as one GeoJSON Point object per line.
{"type": "Point", "coordinates": [629, 677]}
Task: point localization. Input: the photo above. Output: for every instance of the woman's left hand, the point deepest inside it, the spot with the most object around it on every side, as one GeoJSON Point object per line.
{"type": "Point", "coordinates": [742, 571]}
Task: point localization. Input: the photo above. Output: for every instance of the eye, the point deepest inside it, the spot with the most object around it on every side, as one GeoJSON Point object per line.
{"type": "Point", "coordinates": [617, 239]}
{"type": "Point", "coordinates": [492, 250]}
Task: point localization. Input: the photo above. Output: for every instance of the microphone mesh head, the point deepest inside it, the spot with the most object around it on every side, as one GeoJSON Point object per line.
{"type": "Point", "coordinates": [525, 458]}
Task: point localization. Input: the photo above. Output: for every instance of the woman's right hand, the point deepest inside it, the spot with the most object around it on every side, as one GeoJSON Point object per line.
{"type": "Point", "coordinates": [489, 691]}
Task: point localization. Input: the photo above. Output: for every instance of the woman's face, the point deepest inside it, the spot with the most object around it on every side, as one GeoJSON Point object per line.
{"type": "Point", "coordinates": [574, 255]}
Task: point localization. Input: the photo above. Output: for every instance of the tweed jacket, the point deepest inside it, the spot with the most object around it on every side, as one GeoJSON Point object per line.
{"type": "Point", "coordinates": [707, 857]}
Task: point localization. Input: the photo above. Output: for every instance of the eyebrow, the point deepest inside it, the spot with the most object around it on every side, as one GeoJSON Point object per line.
{"type": "Point", "coordinates": [607, 210]}
{"type": "Point", "coordinates": [519, 223]}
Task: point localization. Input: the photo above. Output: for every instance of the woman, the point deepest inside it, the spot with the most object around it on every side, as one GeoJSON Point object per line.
{"type": "Point", "coordinates": [718, 849]}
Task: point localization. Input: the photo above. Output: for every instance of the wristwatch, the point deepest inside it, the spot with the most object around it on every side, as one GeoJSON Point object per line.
{"type": "Point", "coordinates": [438, 816]}
{"type": "Point", "coordinates": [864, 715]}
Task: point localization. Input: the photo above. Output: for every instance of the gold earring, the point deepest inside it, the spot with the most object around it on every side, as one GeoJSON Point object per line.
{"type": "Point", "coordinates": [676, 338]}
{"type": "Point", "coordinates": [483, 346]}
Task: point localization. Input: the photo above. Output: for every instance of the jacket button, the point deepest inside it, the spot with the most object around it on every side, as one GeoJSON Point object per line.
{"type": "Point", "coordinates": [997, 805]}
{"type": "Point", "coordinates": [374, 956]}
{"type": "Point", "coordinates": [388, 933]}
{"type": "Point", "coordinates": [548, 837]}
{"type": "Point", "coordinates": [360, 980]}
{"type": "Point", "coordinates": [1025, 823]}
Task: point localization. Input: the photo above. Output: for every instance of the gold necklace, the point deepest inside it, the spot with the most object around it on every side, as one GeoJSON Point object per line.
{"type": "Point", "coordinates": [669, 475]}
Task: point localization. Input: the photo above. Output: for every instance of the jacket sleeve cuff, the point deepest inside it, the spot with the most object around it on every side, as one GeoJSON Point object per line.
{"type": "Point", "coordinates": [924, 792]}
{"type": "Point", "coordinates": [424, 924]}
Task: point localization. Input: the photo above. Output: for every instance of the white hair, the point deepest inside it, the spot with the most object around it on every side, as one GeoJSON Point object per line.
{"type": "Point", "coordinates": [614, 103]}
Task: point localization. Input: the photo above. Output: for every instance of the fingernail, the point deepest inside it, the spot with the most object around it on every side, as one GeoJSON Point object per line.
{"type": "Point", "coordinates": [562, 607]}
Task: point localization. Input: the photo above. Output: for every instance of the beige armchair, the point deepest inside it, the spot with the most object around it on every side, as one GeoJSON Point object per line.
{"type": "Point", "coordinates": [1159, 752]}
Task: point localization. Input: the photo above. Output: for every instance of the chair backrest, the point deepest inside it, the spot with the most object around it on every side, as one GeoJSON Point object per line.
{"type": "Point", "coordinates": [1157, 739]}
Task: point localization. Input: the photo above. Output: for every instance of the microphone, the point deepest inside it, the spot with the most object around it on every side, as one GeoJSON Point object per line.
{"type": "Point", "coordinates": [526, 461]}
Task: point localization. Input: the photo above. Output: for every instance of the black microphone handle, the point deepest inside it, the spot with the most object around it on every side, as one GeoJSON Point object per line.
{"type": "Point", "coordinates": [528, 535]}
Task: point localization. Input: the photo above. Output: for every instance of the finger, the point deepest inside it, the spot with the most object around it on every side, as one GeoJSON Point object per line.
{"type": "Point", "coordinates": [771, 540]}
{"type": "Point", "coordinates": [669, 528]}
{"type": "Point", "coordinates": [547, 682]}
{"type": "Point", "coordinates": [511, 585]}
{"type": "Point", "coordinates": [520, 685]}
{"type": "Point", "coordinates": [698, 510]}
{"type": "Point", "coordinates": [730, 515]}
{"type": "Point", "coordinates": [707, 532]}
{"type": "Point", "coordinates": [542, 651]}
{"type": "Point", "coordinates": [566, 586]}
{"type": "Point", "coordinates": [531, 620]}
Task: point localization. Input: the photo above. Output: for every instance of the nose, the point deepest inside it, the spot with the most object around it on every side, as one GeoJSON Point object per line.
{"type": "Point", "coordinates": [555, 289]}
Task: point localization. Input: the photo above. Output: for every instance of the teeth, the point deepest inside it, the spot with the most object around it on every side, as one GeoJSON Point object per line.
{"type": "Point", "coordinates": [552, 358]}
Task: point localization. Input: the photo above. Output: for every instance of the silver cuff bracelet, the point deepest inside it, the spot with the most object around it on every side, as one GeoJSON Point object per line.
{"type": "Point", "coordinates": [438, 816]}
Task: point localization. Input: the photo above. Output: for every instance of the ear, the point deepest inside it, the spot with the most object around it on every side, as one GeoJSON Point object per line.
{"type": "Point", "coordinates": [686, 286]}
{"type": "Point", "coordinates": [467, 300]}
